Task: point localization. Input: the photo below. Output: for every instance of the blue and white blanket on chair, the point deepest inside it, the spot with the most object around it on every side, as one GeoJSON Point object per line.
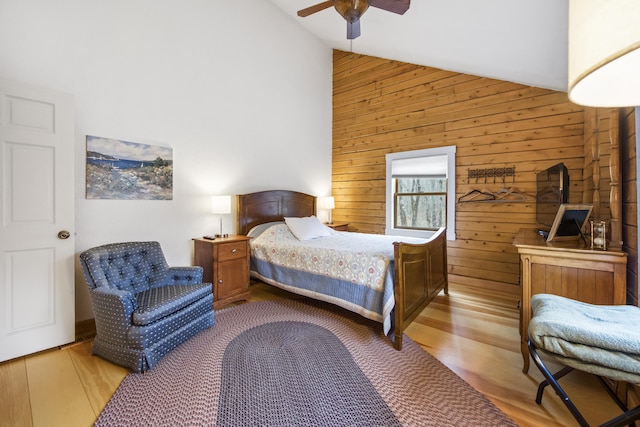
{"type": "Point", "coordinates": [603, 340]}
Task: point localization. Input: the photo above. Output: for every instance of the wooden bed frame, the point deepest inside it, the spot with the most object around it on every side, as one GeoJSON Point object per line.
{"type": "Point", "coordinates": [420, 269]}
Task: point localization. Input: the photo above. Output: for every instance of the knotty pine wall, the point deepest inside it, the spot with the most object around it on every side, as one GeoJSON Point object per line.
{"type": "Point", "coordinates": [382, 106]}
{"type": "Point", "coordinates": [597, 161]}
{"type": "Point", "coordinates": [629, 183]}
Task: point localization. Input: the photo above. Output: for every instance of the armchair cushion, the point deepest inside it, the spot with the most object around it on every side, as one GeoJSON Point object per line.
{"type": "Point", "coordinates": [145, 337]}
{"type": "Point", "coordinates": [156, 303]}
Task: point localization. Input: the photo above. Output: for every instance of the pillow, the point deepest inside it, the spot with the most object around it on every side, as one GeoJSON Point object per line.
{"type": "Point", "coordinates": [259, 229]}
{"type": "Point", "coordinates": [307, 228]}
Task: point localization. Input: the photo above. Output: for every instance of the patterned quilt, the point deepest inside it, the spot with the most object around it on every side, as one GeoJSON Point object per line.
{"type": "Point", "coordinates": [352, 270]}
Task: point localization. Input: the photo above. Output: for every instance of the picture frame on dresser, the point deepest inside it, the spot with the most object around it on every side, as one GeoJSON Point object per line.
{"type": "Point", "coordinates": [569, 222]}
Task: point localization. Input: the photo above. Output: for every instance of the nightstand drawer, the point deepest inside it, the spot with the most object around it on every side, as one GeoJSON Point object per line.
{"type": "Point", "coordinates": [232, 250]}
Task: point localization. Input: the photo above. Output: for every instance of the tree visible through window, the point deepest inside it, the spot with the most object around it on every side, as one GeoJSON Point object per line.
{"type": "Point", "coordinates": [420, 192]}
{"type": "Point", "coordinates": [420, 202]}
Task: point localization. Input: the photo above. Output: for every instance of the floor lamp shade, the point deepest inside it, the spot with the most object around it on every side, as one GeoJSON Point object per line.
{"type": "Point", "coordinates": [604, 52]}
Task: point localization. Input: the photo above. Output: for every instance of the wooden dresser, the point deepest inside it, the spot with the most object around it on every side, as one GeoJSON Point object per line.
{"type": "Point", "coordinates": [568, 269]}
{"type": "Point", "coordinates": [226, 265]}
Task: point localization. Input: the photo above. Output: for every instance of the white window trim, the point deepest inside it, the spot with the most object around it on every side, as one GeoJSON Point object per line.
{"type": "Point", "coordinates": [450, 152]}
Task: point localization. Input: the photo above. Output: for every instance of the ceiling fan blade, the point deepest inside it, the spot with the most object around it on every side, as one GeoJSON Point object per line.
{"type": "Point", "coordinates": [353, 29]}
{"type": "Point", "coordinates": [315, 8]}
{"type": "Point", "coordinates": [395, 6]}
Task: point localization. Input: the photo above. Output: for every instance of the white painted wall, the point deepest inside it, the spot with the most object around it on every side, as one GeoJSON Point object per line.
{"type": "Point", "coordinates": [239, 90]}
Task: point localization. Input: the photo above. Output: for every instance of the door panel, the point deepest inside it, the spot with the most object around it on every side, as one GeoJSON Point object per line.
{"type": "Point", "coordinates": [30, 114]}
{"type": "Point", "coordinates": [36, 202]}
{"type": "Point", "coordinates": [23, 310]}
{"type": "Point", "coordinates": [22, 162]}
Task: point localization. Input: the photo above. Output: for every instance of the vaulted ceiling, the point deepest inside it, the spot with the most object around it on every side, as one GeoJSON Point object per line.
{"type": "Point", "coordinates": [522, 41]}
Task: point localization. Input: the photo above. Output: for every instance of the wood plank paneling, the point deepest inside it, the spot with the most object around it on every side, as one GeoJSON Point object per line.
{"type": "Point", "coordinates": [382, 106]}
{"type": "Point", "coordinates": [629, 200]}
{"type": "Point", "coordinates": [597, 135]}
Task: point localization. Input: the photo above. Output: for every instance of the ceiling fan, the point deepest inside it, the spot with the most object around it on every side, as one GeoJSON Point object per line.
{"type": "Point", "coordinates": [352, 10]}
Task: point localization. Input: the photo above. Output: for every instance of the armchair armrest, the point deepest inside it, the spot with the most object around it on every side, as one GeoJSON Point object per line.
{"type": "Point", "coordinates": [113, 309]}
{"type": "Point", "coordinates": [184, 275]}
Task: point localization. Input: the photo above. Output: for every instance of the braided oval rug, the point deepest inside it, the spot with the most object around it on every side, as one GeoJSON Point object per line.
{"type": "Point", "coordinates": [292, 363]}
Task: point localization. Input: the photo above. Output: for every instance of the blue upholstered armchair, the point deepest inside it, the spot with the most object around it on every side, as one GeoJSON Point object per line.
{"type": "Point", "coordinates": [143, 308]}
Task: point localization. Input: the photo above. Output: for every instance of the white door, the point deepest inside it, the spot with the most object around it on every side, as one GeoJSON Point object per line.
{"type": "Point", "coordinates": [37, 300]}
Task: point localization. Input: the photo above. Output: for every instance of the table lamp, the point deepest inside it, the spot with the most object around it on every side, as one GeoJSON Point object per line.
{"type": "Point", "coordinates": [327, 203]}
{"type": "Point", "coordinates": [220, 205]}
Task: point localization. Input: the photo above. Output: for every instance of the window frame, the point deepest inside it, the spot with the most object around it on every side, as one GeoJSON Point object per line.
{"type": "Point", "coordinates": [450, 153]}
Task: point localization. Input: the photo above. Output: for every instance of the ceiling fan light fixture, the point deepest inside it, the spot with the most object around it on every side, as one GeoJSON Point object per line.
{"type": "Point", "coordinates": [351, 10]}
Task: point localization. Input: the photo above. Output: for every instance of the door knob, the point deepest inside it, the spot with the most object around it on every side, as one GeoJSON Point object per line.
{"type": "Point", "coordinates": [64, 234]}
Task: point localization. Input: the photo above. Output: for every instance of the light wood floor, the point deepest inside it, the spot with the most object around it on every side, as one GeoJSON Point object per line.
{"type": "Point", "coordinates": [473, 331]}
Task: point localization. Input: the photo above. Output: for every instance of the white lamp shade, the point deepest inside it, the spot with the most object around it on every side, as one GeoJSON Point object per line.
{"type": "Point", "coordinates": [221, 204]}
{"type": "Point", "coordinates": [604, 52]}
{"type": "Point", "coordinates": [327, 202]}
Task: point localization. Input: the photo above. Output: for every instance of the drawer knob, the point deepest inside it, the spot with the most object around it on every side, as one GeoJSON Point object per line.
{"type": "Point", "coordinates": [233, 251]}
{"type": "Point", "coordinates": [220, 281]}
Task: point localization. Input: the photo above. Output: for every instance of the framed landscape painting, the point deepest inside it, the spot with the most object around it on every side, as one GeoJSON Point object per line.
{"type": "Point", "coordinates": [126, 170]}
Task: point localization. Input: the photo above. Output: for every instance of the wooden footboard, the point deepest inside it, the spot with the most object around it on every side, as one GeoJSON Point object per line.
{"type": "Point", "coordinates": [420, 274]}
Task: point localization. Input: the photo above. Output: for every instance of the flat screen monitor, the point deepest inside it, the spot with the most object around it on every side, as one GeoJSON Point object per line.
{"type": "Point", "coordinates": [569, 222]}
{"type": "Point", "coordinates": [552, 190]}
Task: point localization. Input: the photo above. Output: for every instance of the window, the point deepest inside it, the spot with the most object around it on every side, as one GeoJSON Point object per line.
{"type": "Point", "coordinates": [421, 192]}
{"type": "Point", "coordinates": [420, 202]}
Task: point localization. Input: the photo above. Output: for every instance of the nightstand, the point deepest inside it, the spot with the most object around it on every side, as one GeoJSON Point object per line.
{"type": "Point", "coordinates": [339, 226]}
{"type": "Point", "coordinates": [226, 265]}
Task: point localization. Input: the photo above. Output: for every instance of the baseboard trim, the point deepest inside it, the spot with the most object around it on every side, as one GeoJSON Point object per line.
{"type": "Point", "coordinates": [85, 329]}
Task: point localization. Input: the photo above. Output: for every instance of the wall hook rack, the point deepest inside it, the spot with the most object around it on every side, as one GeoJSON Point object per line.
{"type": "Point", "coordinates": [487, 174]}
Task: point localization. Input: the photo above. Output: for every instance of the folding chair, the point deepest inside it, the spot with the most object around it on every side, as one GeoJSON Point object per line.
{"type": "Point", "coordinates": [601, 340]}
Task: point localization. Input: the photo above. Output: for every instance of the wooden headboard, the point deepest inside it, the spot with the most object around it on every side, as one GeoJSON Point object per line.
{"type": "Point", "coordinates": [268, 206]}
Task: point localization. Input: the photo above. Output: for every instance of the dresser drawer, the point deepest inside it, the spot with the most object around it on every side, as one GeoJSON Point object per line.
{"type": "Point", "coordinates": [232, 250]}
